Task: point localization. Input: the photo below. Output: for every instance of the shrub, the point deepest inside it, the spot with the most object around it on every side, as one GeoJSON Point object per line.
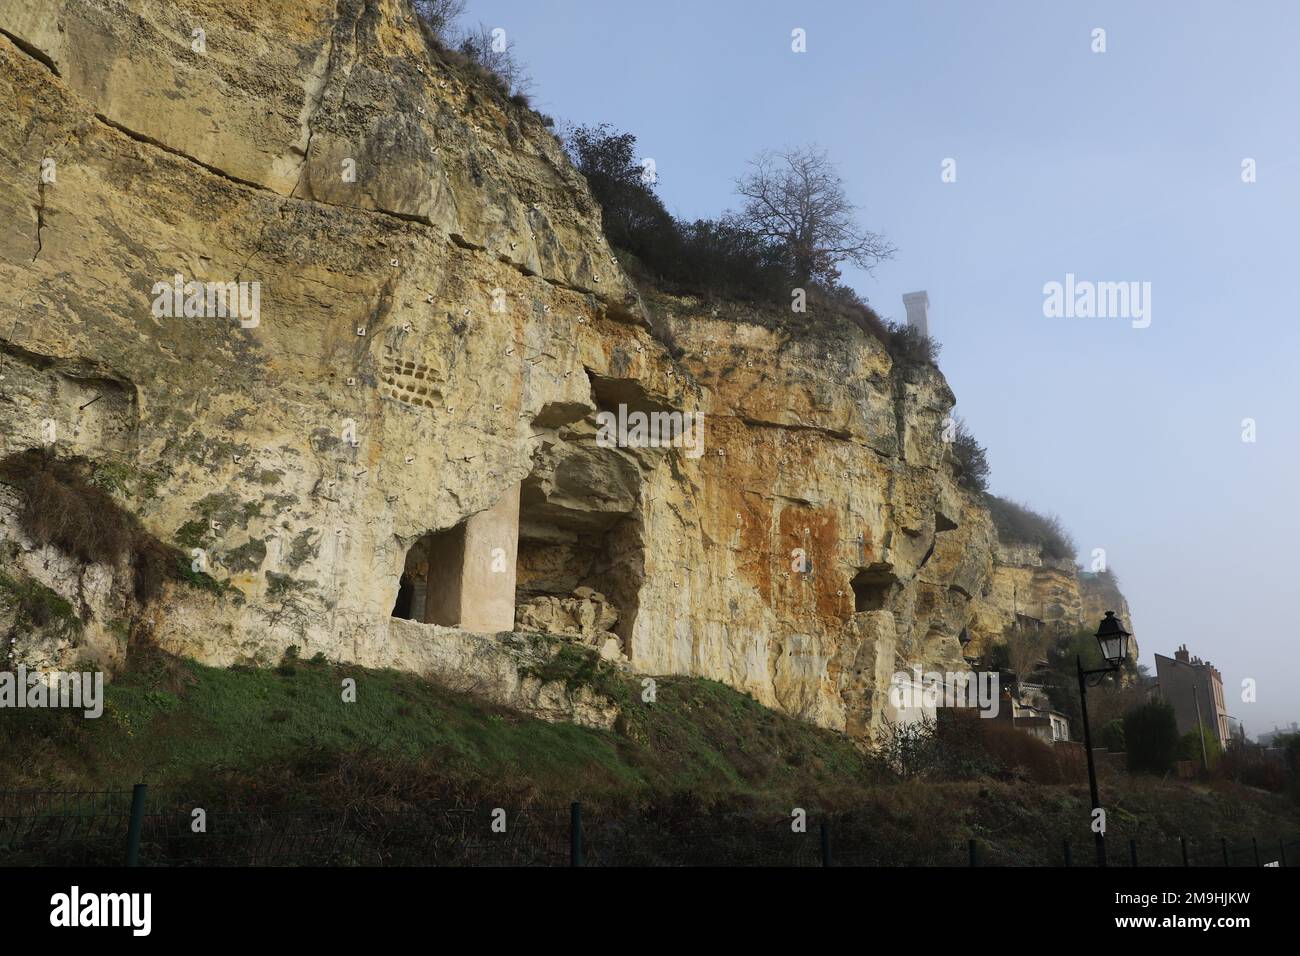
{"type": "Point", "coordinates": [961, 745]}
{"type": "Point", "coordinates": [908, 749]}
{"type": "Point", "coordinates": [710, 258]}
{"type": "Point", "coordinates": [439, 14]}
{"type": "Point", "coordinates": [909, 346]}
{"type": "Point", "coordinates": [1151, 735]}
{"type": "Point", "coordinates": [498, 60]}
{"type": "Point", "coordinates": [1248, 765]}
{"type": "Point", "coordinates": [1018, 752]}
{"type": "Point", "coordinates": [972, 459]}
{"type": "Point", "coordinates": [63, 508]}
{"type": "Point", "coordinates": [1189, 747]}
{"type": "Point", "coordinates": [1019, 524]}
{"type": "Point", "coordinates": [1290, 744]}
{"type": "Point", "coordinates": [1112, 736]}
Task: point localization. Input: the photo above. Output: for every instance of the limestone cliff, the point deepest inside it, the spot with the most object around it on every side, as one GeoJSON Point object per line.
{"type": "Point", "coordinates": [440, 323]}
{"type": "Point", "coordinates": [1030, 588]}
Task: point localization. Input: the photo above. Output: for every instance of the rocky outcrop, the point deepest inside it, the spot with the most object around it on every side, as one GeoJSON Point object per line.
{"type": "Point", "coordinates": [1099, 592]}
{"type": "Point", "coordinates": [586, 615]}
{"type": "Point", "coordinates": [1030, 589]}
{"type": "Point", "coordinates": [440, 323]}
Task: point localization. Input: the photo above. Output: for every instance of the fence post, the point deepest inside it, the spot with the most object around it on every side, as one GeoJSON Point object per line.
{"type": "Point", "coordinates": [1225, 851]}
{"type": "Point", "coordinates": [974, 859]}
{"type": "Point", "coordinates": [575, 834]}
{"type": "Point", "coordinates": [826, 844]}
{"type": "Point", "coordinates": [1183, 841]}
{"type": "Point", "coordinates": [1255, 843]}
{"type": "Point", "coordinates": [136, 825]}
{"type": "Point", "coordinates": [1067, 851]}
{"type": "Point", "coordinates": [1133, 851]}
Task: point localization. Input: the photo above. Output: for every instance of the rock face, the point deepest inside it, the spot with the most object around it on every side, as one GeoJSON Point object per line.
{"type": "Point", "coordinates": [439, 324]}
{"type": "Point", "coordinates": [1099, 591]}
{"type": "Point", "coordinates": [1028, 588]}
{"type": "Point", "coordinates": [587, 616]}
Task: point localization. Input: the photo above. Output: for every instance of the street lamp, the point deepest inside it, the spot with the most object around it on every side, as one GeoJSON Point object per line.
{"type": "Point", "coordinates": [1112, 639]}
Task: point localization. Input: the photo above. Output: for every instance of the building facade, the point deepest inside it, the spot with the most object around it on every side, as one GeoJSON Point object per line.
{"type": "Point", "coordinates": [1189, 683]}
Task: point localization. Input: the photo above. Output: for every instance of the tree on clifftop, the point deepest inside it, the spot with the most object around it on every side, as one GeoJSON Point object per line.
{"type": "Point", "coordinates": [633, 217]}
{"type": "Point", "coordinates": [440, 14]}
{"type": "Point", "coordinates": [795, 199]}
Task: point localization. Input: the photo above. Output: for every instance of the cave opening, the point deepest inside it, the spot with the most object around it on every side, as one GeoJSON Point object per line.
{"type": "Point", "coordinates": [577, 555]}
{"type": "Point", "coordinates": [873, 588]}
{"type": "Point", "coordinates": [432, 577]}
{"type": "Point", "coordinates": [581, 554]}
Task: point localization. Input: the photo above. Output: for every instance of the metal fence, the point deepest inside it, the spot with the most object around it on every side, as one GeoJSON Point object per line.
{"type": "Point", "coordinates": [140, 827]}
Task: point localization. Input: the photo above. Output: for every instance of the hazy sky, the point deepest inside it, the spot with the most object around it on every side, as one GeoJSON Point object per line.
{"type": "Point", "coordinates": [1117, 166]}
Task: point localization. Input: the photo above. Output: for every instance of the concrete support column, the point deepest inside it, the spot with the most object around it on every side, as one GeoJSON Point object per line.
{"type": "Point", "coordinates": [471, 579]}
{"type": "Point", "coordinates": [487, 602]}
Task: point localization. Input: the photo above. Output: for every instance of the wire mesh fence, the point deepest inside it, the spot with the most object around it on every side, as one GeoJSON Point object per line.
{"type": "Point", "coordinates": [154, 828]}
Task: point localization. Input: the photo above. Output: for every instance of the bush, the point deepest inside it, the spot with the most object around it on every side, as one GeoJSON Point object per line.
{"type": "Point", "coordinates": [972, 459]}
{"type": "Point", "coordinates": [64, 509]}
{"type": "Point", "coordinates": [61, 507]}
{"type": "Point", "coordinates": [1019, 524]}
{"type": "Point", "coordinates": [1248, 765]}
{"type": "Point", "coordinates": [1018, 752]}
{"type": "Point", "coordinates": [1112, 736]}
{"type": "Point", "coordinates": [1290, 745]}
{"type": "Point", "coordinates": [709, 258]}
{"type": "Point", "coordinates": [439, 14]}
{"type": "Point", "coordinates": [35, 606]}
{"type": "Point", "coordinates": [1151, 735]}
{"type": "Point", "coordinates": [1189, 747]}
{"type": "Point", "coordinates": [962, 746]}
{"type": "Point", "coordinates": [909, 346]}
{"type": "Point", "coordinates": [498, 61]}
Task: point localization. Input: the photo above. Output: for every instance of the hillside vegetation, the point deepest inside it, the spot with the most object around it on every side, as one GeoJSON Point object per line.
{"type": "Point", "coordinates": [703, 774]}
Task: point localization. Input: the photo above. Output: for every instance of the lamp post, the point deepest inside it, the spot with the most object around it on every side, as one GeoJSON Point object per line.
{"type": "Point", "coordinates": [1113, 641]}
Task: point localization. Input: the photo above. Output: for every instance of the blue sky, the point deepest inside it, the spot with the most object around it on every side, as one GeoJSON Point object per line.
{"type": "Point", "coordinates": [1115, 166]}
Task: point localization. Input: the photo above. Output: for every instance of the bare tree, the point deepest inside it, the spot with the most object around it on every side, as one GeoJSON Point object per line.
{"type": "Point", "coordinates": [1026, 649]}
{"type": "Point", "coordinates": [491, 50]}
{"type": "Point", "coordinates": [795, 198]}
{"type": "Point", "coordinates": [440, 14]}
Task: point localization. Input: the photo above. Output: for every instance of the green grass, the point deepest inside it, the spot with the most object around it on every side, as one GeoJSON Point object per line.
{"type": "Point", "coordinates": [238, 720]}
{"type": "Point", "coordinates": [700, 757]}
{"type": "Point", "coordinates": [179, 724]}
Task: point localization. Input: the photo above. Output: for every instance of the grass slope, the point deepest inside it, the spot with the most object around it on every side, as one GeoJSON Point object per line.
{"type": "Point", "coordinates": [700, 765]}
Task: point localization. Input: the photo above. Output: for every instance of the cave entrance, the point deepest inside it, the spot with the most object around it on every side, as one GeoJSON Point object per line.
{"type": "Point", "coordinates": [404, 607]}
{"type": "Point", "coordinates": [577, 569]}
{"type": "Point", "coordinates": [581, 556]}
{"type": "Point", "coordinates": [873, 588]}
{"type": "Point", "coordinates": [432, 579]}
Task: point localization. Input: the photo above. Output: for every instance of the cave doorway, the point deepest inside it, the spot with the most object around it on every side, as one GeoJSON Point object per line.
{"type": "Point", "coordinates": [405, 594]}
{"type": "Point", "coordinates": [429, 590]}
{"type": "Point", "coordinates": [873, 589]}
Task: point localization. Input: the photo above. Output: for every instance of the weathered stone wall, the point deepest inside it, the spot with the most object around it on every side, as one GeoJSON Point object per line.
{"type": "Point", "coordinates": [436, 333]}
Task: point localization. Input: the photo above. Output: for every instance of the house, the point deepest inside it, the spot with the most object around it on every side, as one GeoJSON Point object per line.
{"type": "Point", "coordinates": [1195, 690]}
{"type": "Point", "coordinates": [1028, 709]}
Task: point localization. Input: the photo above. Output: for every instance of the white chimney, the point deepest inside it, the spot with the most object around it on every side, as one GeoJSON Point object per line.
{"type": "Point", "coordinates": [917, 305]}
